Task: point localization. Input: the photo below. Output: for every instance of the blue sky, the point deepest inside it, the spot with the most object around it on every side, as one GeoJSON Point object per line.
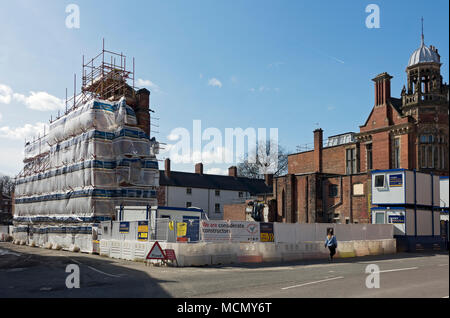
{"type": "Point", "coordinates": [291, 65]}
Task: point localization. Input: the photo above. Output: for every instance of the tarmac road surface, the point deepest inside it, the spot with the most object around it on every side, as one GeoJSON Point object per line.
{"type": "Point", "coordinates": [37, 272]}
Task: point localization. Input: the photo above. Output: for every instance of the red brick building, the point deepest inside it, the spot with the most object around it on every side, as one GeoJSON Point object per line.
{"type": "Point", "coordinates": [330, 183]}
{"type": "Point", "coordinates": [6, 211]}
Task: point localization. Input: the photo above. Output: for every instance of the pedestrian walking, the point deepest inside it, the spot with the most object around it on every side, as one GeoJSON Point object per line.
{"type": "Point", "coordinates": [331, 243]}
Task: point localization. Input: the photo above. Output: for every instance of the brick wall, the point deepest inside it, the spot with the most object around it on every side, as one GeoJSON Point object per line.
{"type": "Point", "coordinates": [234, 212]}
{"type": "Point", "coordinates": [381, 153]}
{"type": "Point", "coordinates": [301, 162]}
{"type": "Point", "coordinates": [161, 195]}
{"type": "Point", "coordinates": [312, 202]}
{"type": "Point", "coordinates": [334, 159]}
{"type": "Point", "coordinates": [349, 205]}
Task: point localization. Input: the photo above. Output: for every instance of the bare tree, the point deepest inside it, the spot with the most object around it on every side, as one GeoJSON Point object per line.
{"type": "Point", "coordinates": [6, 185]}
{"type": "Point", "coordinates": [262, 160]}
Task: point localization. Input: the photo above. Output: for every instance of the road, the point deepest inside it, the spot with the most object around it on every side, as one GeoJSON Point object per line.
{"type": "Point", "coordinates": [36, 272]}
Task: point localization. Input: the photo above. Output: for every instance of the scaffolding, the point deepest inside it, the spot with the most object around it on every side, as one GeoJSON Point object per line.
{"type": "Point", "coordinates": [105, 77]}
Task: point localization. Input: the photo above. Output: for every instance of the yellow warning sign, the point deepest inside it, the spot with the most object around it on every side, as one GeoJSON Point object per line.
{"type": "Point", "coordinates": [181, 229]}
{"type": "Point", "coordinates": [142, 230]}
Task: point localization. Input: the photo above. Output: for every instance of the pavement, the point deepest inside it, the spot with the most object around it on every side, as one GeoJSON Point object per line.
{"type": "Point", "coordinates": [28, 272]}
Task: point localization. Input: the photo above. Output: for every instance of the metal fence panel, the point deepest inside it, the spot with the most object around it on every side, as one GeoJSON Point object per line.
{"type": "Point", "coordinates": [160, 232]}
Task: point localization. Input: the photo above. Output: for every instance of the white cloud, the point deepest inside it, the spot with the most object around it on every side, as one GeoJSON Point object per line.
{"type": "Point", "coordinates": [214, 82]}
{"type": "Point", "coordinates": [5, 94]}
{"type": "Point", "coordinates": [21, 133]}
{"type": "Point", "coordinates": [1, 116]}
{"type": "Point", "coordinates": [11, 160]}
{"type": "Point", "coordinates": [41, 101]}
{"type": "Point", "coordinates": [218, 171]}
{"type": "Point", "coordinates": [149, 84]}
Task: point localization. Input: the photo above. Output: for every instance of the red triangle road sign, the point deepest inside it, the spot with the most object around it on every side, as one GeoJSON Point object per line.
{"type": "Point", "coordinates": [156, 252]}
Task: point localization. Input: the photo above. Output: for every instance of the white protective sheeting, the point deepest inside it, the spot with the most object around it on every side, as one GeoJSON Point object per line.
{"type": "Point", "coordinates": [93, 159]}
{"type": "Point", "coordinates": [99, 114]}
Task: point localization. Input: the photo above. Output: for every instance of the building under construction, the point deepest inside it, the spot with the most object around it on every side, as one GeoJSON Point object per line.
{"type": "Point", "coordinates": [96, 156]}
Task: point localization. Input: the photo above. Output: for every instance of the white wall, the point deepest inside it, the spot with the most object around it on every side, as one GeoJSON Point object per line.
{"type": "Point", "coordinates": [204, 199]}
{"type": "Point", "coordinates": [404, 194]}
{"type": "Point", "coordinates": [388, 194]}
{"type": "Point", "coordinates": [444, 203]}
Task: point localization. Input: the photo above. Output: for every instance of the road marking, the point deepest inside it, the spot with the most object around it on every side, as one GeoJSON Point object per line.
{"type": "Point", "coordinates": [73, 260]}
{"type": "Point", "coordinates": [391, 260]}
{"type": "Point", "coordinates": [101, 272]}
{"type": "Point", "coordinates": [5, 252]}
{"type": "Point", "coordinates": [442, 265]}
{"type": "Point", "coordinates": [46, 288]}
{"type": "Point", "coordinates": [18, 269]}
{"type": "Point", "coordinates": [396, 270]}
{"type": "Point", "coordinates": [310, 283]}
{"type": "Point", "coordinates": [94, 269]}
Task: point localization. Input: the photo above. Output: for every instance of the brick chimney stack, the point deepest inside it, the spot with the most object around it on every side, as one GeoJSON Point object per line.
{"type": "Point", "coordinates": [382, 88]}
{"type": "Point", "coordinates": [167, 167]}
{"type": "Point", "coordinates": [232, 171]}
{"type": "Point", "coordinates": [199, 168]}
{"type": "Point", "coordinates": [142, 110]}
{"type": "Point", "coordinates": [268, 178]}
{"type": "Point", "coordinates": [318, 144]}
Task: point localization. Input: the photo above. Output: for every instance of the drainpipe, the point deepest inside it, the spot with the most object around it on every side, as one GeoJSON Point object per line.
{"type": "Point", "coordinates": [341, 196]}
{"type": "Point", "coordinates": [415, 204]}
{"type": "Point", "coordinates": [306, 199]}
{"type": "Point", "coordinates": [324, 212]}
{"type": "Point", "coordinates": [276, 199]}
{"type": "Point", "coordinates": [350, 198]}
{"type": "Point", "coordinates": [432, 204]}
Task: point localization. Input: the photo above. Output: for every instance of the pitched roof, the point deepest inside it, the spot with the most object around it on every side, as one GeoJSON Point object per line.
{"type": "Point", "coordinates": [211, 181]}
{"type": "Point", "coordinates": [397, 104]}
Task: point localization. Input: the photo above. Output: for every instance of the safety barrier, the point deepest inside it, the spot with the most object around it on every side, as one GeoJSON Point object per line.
{"type": "Point", "coordinates": [202, 253]}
